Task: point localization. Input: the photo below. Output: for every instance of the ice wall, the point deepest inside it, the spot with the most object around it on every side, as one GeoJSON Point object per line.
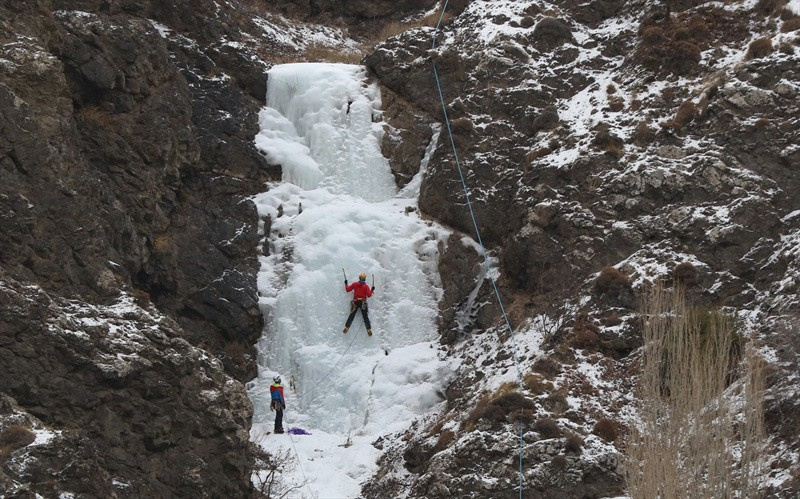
{"type": "Point", "coordinates": [337, 208]}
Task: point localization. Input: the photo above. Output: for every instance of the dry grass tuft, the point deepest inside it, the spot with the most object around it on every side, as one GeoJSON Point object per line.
{"type": "Point", "coordinates": [610, 280]}
{"type": "Point", "coordinates": [573, 444]}
{"type": "Point", "coordinates": [326, 53]}
{"type": "Point", "coordinates": [607, 429]}
{"type": "Point", "coordinates": [790, 25]}
{"type": "Point", "coordinates": [693, 438]}
{"type": "Point", "coordinates": [12, 438]}
{"type": "Point", "coordinates": [505, 405]}
{"type": "Point", "coordinates": [547, 428]}
{"type": "Point", "coordinates": [446, 438]}
{"type": "Point", "coordinates": [141, 297]}
{"type": "Point", "coordinates": [536, 384]}
{"type": "Point", "coordinates": [759, 48]}
{"type": "Point", "coordinates": [163, 243]}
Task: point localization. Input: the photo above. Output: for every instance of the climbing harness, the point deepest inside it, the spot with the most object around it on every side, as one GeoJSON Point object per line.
{"type": "Point", "coordinates": [478, 233]}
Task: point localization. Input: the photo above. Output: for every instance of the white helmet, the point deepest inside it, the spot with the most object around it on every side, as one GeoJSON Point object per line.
{"type": "Point", "coordinates": [277, 379]}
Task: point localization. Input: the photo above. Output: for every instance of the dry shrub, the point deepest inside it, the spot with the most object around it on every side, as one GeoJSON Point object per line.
{"type": "Point", "coordinates": [573, 444]}
{"type": "Point", "coordinates": [560, 462]}
{"type": "Point", "coordinates": [556, 402]}
{"type": "Point", "coordinates": [608, 142]}
{"type": "Point", "coordinates": [610, 89]}
{"type": "Point", "coordinates": [607, 429]}
{"type": "Point", "coordinates": [643, 134]}
{"type": "Point", "coordinates": [163, 243]}
{"type": "Point", "coordinates": [685, 274]}
{"type": "Point", "coordinates": [461, 125]}
{"type": "Point", "coordinates": [498, 408]}
{"type": "Point", "coordinates": [770, 7]}
{"type": "Point", "coordinates": [790, 25]}
{"type": "Point", "coordinates": [325, 53]}
{"type": "Point", "coordinates": [610, 281]}
{"type": "Point", "coordinates": [659, 51]}
{"type": "Point", "coordinates": [141, 297]}
{"type": "Point", "coordinates": [522, 416]}
{"type": "Point", "coordinates": [685, 114]}
{"type": "Point", "coordinates": [584, 332]}
{"type": "Point", "coordinates": [12, 438]}
{"type": "Point", "coordinates": [616, 103]}
{"type": "Point", "coordinates": [446, 438]}
{"type": "Point", "coordinates": [759, 48]}
{"type": "Point", "coordinates": [547, 428]}
{"type": "Point", "coordinates": [700, 431]}
{"type": "Point", "coordinates": [536, 384]}
{"type": "Point", "coordinates": [547, 366]}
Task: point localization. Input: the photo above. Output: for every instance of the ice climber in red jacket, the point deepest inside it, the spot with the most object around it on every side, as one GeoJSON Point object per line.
{"type": "Point", "coordinates": [361, 291]}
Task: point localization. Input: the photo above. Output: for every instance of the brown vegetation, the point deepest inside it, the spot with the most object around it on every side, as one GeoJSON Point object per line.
{"type": "Point", "coordinates": [608, 142]}
{"type": "Point", "coordinates": [643, 134]}
{"type": "Point", "coordinates": [573, 444]}
{"type": "Point", "coordinates": [759, 48]}
{"type": "Point", "coordinates": [607, 429]}
{"type": "Point", "coordinates": [141, 297]}
{"type": "Point", "coordinates": [684, 443]}
{"type": "Point", "coordinates": [504, 406]}
{"type": "Point", "coordinates": [12, 438]}
{"type": "Point", "coordinates": [536, 384]}
{"type": "Point", "coordinates": [547, 428]}
{"type": "Point", "coordinates": [610, 280]}
{"type": "Point", "coordinates": [685, 273]}
{"type": "Point", "coordinates": [791, 25]}
{"type": "Point", "coordinates": [326, 53]}
{"type": "Point", "coordinates": [461, 125]}
{"type": "Point", "coordinates": [446, 438]}
{"type": "Point", "coordinates": [672, 44]}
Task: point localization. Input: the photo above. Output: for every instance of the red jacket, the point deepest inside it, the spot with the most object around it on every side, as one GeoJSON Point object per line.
{"type": "Point", "coordinates": [360, 289]}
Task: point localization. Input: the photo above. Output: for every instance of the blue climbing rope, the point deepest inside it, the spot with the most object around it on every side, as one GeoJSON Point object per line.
{"type": "Point", "coordinates": [478, 235]}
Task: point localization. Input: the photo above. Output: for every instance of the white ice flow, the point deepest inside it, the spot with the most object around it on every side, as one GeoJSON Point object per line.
{"type": "Point", "coordinates": [338, 208]}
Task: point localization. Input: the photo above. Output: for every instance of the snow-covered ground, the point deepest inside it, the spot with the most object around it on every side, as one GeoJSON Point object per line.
{"type": "Point", "coordinates": [336, 209]}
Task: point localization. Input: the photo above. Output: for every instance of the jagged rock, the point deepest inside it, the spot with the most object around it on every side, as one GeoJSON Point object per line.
{"type": "Point", "coordinates": [114, 372]}
{"type": "Point", "coordinates": [407, 137]}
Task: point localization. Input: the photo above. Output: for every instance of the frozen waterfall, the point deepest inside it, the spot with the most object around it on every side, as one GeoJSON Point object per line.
{"type": "Point", "coordinates": [338, 208]}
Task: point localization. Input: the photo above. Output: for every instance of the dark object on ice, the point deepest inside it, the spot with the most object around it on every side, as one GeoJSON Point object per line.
{"type": "Point", "coordinates": [297, 431]}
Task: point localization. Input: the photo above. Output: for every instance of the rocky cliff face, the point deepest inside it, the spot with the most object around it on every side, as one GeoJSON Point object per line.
{"type": "Point", "coordinates": [128, 249]}
{"type": "Point", "coordinates": [657, 138]}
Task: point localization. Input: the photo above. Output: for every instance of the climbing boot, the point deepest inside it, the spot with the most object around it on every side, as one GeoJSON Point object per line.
{"type": "Point", "coordinates": [345, 330]}
{"type": "Point", "coordinates": [369, 332]}
{"type": "Point", "coordinates": [279, 430]}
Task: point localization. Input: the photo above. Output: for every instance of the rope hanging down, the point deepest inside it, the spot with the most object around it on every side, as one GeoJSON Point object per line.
{"type": "Point", "coordinates": [478, 232]}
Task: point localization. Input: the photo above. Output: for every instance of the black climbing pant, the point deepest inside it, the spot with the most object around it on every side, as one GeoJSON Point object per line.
{"type": "Point", "coordinates": [278, 407]}
{"type": "Point", "coordinates": [355, 305]}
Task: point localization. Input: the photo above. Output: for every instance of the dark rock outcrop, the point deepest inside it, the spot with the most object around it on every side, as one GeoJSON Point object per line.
{"type": "Point", "coordinates": [126, 161]}
{"type": "Point", "coordinates": [129, 383]}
